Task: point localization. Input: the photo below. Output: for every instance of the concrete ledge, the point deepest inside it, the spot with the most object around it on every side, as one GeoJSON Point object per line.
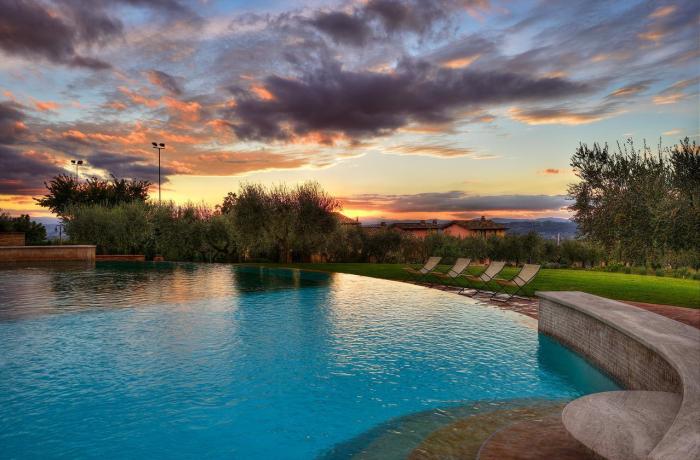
{"type": "Point", "coordinates": [47, 253]}
{"type": "Point", "coordinates": [621, 424]}
{"type": "Point", "coordinates": [641, 350]}
{"type": "Point", "coordinates": [120, 258]}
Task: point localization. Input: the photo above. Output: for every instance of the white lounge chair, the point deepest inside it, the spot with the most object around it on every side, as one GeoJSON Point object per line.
{"type": "Point", "coordinates": [425, 270]}
{"type": "Point", "coordinates": [484, 278]}
{"type": "Point", "coordinates": [519, 281]}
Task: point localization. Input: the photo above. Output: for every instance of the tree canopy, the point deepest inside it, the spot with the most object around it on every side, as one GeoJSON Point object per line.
{"type": "Point", "coordinates": [65, 192]}
{"type": "Point", "coordinates": [34, 232]}
{"type": "Point", "coordinates": [639, 205]}
{"type": "Point", "coordinates": [283, 219]}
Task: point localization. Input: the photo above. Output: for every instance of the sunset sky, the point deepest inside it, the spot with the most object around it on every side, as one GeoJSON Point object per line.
{"type": "Point", "coordinates": [403, 109]}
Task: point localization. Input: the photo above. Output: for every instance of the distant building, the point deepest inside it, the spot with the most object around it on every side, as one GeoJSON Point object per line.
{"type": "Point", "coordinates": [483, 227]}
{"type": "Point", "coordinates": [419, 229]}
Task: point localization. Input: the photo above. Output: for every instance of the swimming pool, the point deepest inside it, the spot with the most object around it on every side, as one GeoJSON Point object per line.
{"type": "Point", "coordinates": [218, 361]}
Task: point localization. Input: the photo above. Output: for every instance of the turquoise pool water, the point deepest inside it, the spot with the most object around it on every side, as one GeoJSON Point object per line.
{"type": "Point", "coordinates": [217, 361]}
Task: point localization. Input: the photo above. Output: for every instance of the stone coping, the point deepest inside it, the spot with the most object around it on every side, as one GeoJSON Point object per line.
{"type": "Point", "coordinates": [675, 342]}
{"type": "Point", "coordinates": [53, 246]}
{"type": "Point", "coordinates": [629, 424]}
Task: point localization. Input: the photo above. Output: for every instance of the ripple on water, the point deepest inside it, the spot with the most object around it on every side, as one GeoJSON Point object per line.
{"type": "Point", "coordinates": [171, 360]}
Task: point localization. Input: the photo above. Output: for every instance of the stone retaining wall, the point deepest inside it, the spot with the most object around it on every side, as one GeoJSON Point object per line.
{"type": "Point", "coordinates": [12, 239]}
{"type": "Point", "coordinates": [633, 365]}
{"type": "Point", "coordinates": [642, 350]}
{"type": "Point", "coordinates": [47, 253]}
{"type": "Point", "coordinates": [120, 258]}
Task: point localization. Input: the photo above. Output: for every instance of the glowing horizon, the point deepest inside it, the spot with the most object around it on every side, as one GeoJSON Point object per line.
{"type": "Point", "coordinates": [403, 109]}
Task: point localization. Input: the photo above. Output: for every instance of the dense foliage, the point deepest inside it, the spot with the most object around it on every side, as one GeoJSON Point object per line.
{"type": "Point", "coordinates": [282, 223]}
{"type": "Point", "coordinates": [66, 192]}
{"type": "Point", "coordinates": [387, 246]}
{"type": "Point", "coordinates": [643, 208]}
{"type": "Point", "coordinates": [188, 233]}
{"type": "Point", "coordinates": [34, 232]}
{"type": "Point", "coordinates": [276, 224]}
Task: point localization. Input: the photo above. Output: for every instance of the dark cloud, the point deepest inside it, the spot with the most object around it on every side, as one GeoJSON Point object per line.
{"type": "Point", "coordinates": [28, 29]}
{"type": "Point", "coordinates": [23, 173]}
{"type": "Point", "coordinates": [471, 45]}
{"type": "Point", "coordinates": [11, 123]}
{"type": "Point", "coordinates": [414, 16]}
{"type": "Point", "coordinates": [456, 201]}
{"type": "Point", "coordinates": [343, 27]}
{"type": "Point", "coordinates": [128, 166]}
{"type": "Point", "coordinates": [56, 30]}
{"type": "Point", "coordinates": [368, 103]}
{"type": "Point", "coordinates": [165, 81]}
{"type": "Point", "coordinates": [381, 18]}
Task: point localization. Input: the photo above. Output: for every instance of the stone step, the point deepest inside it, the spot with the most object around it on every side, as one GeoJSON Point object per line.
{"type": "Point", "coordinates": [621, 425]}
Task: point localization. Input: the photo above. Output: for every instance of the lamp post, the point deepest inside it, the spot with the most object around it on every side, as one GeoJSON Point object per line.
{"type": "Point", "coordinates": [60, 227]}
{"type": "Point", "coordinates": [159, 146]}
{"type": "Point", "coordinates": [77, 164]}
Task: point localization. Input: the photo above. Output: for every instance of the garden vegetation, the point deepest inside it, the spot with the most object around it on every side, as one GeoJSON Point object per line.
{"type": "Point", "coordinates": [637, 212]}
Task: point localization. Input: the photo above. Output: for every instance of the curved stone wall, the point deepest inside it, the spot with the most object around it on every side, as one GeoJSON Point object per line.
{"type": "Point", "coordinates": [640, 349]}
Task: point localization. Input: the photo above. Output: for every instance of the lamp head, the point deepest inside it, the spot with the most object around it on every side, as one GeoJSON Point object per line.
{"type": "Point", "coordinates": [80, 162]}
{"type": "Point", "coordinates": [154, 144]}
{"type": "Point", "coordinates": [162, 145]}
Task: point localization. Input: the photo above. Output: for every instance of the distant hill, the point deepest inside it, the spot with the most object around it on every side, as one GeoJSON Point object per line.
{"type": "Point", "coordinates": [50, 224]}
{"type": "Point", "coordinates": [547, 227]}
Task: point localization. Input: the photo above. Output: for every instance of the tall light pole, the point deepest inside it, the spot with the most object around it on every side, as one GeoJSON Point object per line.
{"type": "Point", "coordinates": [77, 164]}
{"type": "Point", "coordinates": [160, 147]}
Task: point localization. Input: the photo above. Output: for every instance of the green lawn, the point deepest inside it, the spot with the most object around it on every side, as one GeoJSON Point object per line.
{"type": "Point", "coordinates": [620, 286]}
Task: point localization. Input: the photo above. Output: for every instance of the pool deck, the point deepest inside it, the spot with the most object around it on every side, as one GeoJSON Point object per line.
{"type": "Point", "coordinates": [530, 307]}
{"type": "Point", "coordinates": [621, 432]}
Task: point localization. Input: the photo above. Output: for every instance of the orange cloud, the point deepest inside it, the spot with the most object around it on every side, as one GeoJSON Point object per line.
{"type": "Point", "coordinates": [460, 63]}
{"type": "Point", "coordinates": [662, 11]}
{"type": "Point", "coordinates": [652, 35]}
{"type": "Point", "coordinates": [75, 135]}
{"type": "Point", "coordinates": [262, 93]}
{"type": "Point", "coordinates": [139, 99]}
{"type": "Point", "coordinates": [617, 55]}
{"type": "Point", "coordinates": [550, 171]}
{"type": "Point", "coordinates": [116, 105]}
{"type": "Point", "coordinates": [186, 110]}
{"type": "Point", "coordinates": [670, 98]}
{"type": "Point", "coordinates": [555, 116]}
{"type": "Point", "coordinates": [317, 137]}
{"type": "Point", "coordinates": [234, 163]}
{"type": "Point", "coordinates": [46, 106]}
{"type": "Point", "coordinates": [626, 91]}
{"type": "Point", "coordinates": [433, 150]}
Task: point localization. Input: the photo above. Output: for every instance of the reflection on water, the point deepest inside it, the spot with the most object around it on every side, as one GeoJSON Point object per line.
{"type": "Point", "coordinates": [37, 289]}
{"type": "Point", "coordinates": [172, 360]}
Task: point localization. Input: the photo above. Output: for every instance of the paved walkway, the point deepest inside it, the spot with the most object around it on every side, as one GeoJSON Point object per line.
{"type": "Point", "coordinates": [530, 307]}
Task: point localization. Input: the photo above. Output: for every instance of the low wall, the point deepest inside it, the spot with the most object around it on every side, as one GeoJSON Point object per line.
{"type": "Point", "coordinates": [120, 258]}
{"type": "Point", "coordinates": [639, 349]}
{"type": "Point", "coordinates": [633, 365]}
{"type": "Point", "coordinates": [47, 253]}
{"type": "Point", "coordinates": [12, 239]}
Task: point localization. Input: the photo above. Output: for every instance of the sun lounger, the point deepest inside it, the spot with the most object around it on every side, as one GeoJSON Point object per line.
{"type": "Point", "coordinates": [455, 271]}
{"type": "Point", "coordinates": [484, 278]}
{"type": "Point", "coordinates": [425, 270]}
{"type": "Point", "coordinates": [519, 281]}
